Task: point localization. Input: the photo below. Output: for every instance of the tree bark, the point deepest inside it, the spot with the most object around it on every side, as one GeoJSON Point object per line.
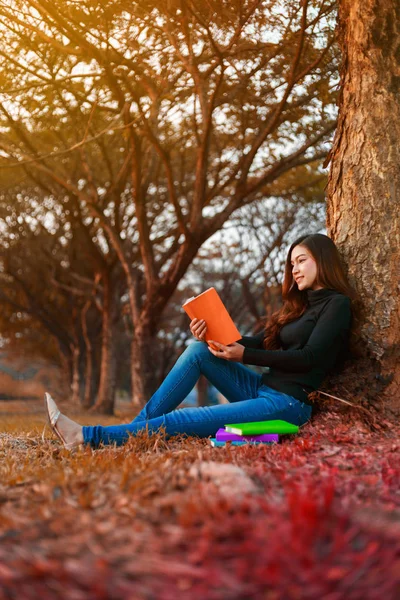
{"type": "Point", "coordinates": [363, 215]}
{"type": "Point", "coordinates": [108, 365]}
{"type": "Point", "coordinates": [202, 391]}
{"type": "Point", "coordinates": [67, 374]}
{"type": "Point", "coordinates": [76, 375]}
{"type": "Point", "coordinates": [143, 363]}
{"type": "Point", "coordinates": [88, 388]}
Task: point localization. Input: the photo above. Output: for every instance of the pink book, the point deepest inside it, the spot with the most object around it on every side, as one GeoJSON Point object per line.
{"type": "Point", "coordinates": [225, 436]}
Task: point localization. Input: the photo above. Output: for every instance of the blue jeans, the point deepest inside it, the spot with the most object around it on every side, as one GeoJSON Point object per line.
{"type": "Point", "coordinates": [249, 400]}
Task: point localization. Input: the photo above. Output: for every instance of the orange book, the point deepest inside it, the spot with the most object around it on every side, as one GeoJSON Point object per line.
{"type": "Point", "coordinates": [209, 306]}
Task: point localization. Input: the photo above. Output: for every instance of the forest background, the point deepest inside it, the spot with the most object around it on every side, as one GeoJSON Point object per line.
{"type": "Point", "coordinates": [149, 151]}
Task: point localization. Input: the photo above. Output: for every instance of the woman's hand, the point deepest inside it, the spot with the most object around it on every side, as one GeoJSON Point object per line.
{"type": "Point", "coordinates": [198, 328]}
{"type": "Point", "coordinates": [232, 352]}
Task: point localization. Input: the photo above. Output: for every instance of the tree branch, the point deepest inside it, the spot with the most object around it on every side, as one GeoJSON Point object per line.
{"type": "Point", "coordinates": [274, 117]}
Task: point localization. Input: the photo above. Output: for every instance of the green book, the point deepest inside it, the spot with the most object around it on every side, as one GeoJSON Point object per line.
{"type": "Point", "coordinates": [258, 427]}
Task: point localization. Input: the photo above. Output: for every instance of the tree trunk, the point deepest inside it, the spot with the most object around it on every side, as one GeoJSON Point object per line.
{"type": "Point", "coordinates": [143, 364]}
{"type": "Point", "coordinates": [67, 374]}
{"type": "Point", "coordinates": [364, 182]}
{"type": "Point", "coordinates": [202, 391]}
{"type": "Point", "coordinates": [88, 388]}
{"type": "Point", "coordinates": [88, 396]}
{"type": "Point", "coordinates": [108, 364]}
{"type": "Point", "coordinates": [76, 376]}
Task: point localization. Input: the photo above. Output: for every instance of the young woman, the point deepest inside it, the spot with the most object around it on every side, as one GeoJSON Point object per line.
{"type": "Point", "coordinates": [301, 343]}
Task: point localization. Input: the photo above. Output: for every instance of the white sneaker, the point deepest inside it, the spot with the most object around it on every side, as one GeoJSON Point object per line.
{"type": "Point", "coordinates": [69, 432]}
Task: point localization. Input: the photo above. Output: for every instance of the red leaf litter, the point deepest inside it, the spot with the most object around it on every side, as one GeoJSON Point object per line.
{"type": "Point", "coordinates": [314, 517]}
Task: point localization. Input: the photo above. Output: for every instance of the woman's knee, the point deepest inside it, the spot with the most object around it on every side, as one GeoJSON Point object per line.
{"type": "Point", "coordinates": [196, 350]}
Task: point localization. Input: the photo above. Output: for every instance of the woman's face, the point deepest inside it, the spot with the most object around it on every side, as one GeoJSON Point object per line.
{"type": "Point", "coordinates": [304, 269]}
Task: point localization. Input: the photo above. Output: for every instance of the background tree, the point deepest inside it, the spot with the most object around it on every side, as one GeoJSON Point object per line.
{"type": "Point", "coordinates": [158, 121]}
{"type": "Point", "coordinates": [50, 283]}
{"type": "Point", "coordinates": [364, 182]}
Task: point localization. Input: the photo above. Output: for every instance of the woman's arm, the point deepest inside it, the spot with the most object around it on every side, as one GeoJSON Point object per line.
{"type": "Point", "coordinates": [253, 341]}
{"type": "Point", "coordinates": [334, 321]}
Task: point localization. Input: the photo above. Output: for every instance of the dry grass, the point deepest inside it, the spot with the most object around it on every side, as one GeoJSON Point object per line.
{"type": "Point", "coordinates": [316, 515]}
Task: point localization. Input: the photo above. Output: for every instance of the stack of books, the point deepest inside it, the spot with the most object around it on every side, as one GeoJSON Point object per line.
{"type": "Point", "coordinates": [255, 432]}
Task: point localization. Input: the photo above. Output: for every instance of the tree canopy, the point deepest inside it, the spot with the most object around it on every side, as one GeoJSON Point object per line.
{"type": "Point", "coordinates": [144, 126]}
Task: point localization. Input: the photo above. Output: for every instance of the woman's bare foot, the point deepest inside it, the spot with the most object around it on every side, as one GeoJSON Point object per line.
{"type": "Point", "coordinates": [68, 431]}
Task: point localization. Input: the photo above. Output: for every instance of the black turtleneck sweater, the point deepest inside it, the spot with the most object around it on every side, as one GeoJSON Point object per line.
{"type": "Point", "coordinates": [310, 346]}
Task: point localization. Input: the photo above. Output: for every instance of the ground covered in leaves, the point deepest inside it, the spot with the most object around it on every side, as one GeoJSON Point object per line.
{"type": "Point", "coordinates": [317, 516]}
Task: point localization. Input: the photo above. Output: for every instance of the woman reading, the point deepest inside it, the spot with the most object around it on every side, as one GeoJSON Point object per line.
{"type": "Point", "coordinates": [301, 343]}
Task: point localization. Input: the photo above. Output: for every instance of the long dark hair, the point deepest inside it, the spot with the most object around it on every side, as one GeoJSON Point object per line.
{"type": "Point", "coordinates": [330, 274]}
